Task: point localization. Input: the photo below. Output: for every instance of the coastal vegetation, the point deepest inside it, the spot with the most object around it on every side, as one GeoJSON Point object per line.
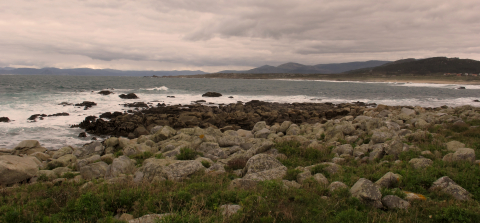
{"type": "Point", "coordinates": [388, 164]}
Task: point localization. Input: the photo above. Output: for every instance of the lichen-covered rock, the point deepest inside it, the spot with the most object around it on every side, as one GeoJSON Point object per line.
{"type": "Point", "coordinates": [420, 163]}
{"type": "Point", "coordinates": [448, 186]}
{"type": "Point", "coordinates": [380, 137]}
{"type": "Point", "coordinates": [83, 162]}
{"type": "Point", "coordinates": [290, 184]}
{"type": "Point", "coordinates": [367, 192]}
{"type": "Point", "coordinates": [259, 163]}
{"type": "Point", "coordinates": [388, 180]}
{"type": "Point", "coordinates": [164, 133]}
{"type": "Point", "coordinates": [28, 147]}
{"type": "Point", "coordinates": [259, 126]}
{"type": "Point", "coordinates": [454, 145]}
{"type": "Point", "coordinates": [94, 170]}
{"type": "Point", "coordinates": [263, 133]}
{"type": "Point", "coordinates": [394, 148]}
{"type": "Point", "coordinates": [183, 169]}
{"type": "Point", "coordinates": [41, 156]}
{"type": "Point", "coordinates": [336, 186]}
{"type": "Point", "coordinates": [394, 202]}
{"type": "Point", "coordinates": [285, 125]}
{"type": "Point", "coordinates": [259, 146]}
{"type": "Point", "coordinates": [15, 169]}
{"type": "Point", "coordinates": [120, 165]}
{"type": "Point", "coordinates": [414, 196]}
{"type": "Point", "coordinates": [89, 150]}
{"type": "Point", "coordinates": [68, 160]}
{"type": "Point", "coordinates": [464, 155]}
{"type": "Point", "coordinates": [293, 130]}
{"type": "Point", "coordinates": [271, 174]}
{"type": "Point", "coordinates": [111, 142]}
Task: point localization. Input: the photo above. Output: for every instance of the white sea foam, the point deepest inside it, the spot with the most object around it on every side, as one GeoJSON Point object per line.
{"type": "Point", "coordinates": [162, 88]}
{"type": "Point", "coordinates": [54, 132]}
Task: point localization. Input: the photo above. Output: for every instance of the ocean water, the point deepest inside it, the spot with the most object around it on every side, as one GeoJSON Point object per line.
{"type": "Point", "coordinates": [22, 96]}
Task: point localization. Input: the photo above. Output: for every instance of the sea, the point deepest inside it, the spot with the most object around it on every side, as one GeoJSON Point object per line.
{"type": "Point", "coordinates": [24, 95]}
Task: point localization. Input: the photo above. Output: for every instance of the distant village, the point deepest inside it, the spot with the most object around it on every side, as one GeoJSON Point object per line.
{"type": "Point", "coordinates": [460, 74]}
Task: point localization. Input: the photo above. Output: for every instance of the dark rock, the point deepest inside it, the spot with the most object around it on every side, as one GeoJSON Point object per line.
{"type": "Point", "coordinates": [171, 96]}
{"type": "Point", "coordinates": [461, 88]}
{"type": "Point", "coordinates": [212, 94]}
{"type": "Point", "coordinates": [105, 92]}
{"type": "Point", "coordinates": [82, 135]}
{"type": "Point", "coordinates": [65, 103]}
{"type": "Point", "coordinates": [60, 114]}
{"type": "Point", "coordinates": [87, 104]}
{"type": "Point", "coordinates": [35, 116]}
{"type": "Point", "coordinates": [94, 138]}
{"type": "Point", "coordinates": [230, 97]}
{"type": "Point", "coordinates": [200, 101]}
{"type": "Point", "coordinates": [476, 100]}
{"type": "Point", "coordinates": [136, 105]}
{"type": "Point", "coordinates": [4, 119]}
{"type": "Point", "coordinates": [110, 115]}
{"type": "Point", "coordinates": [128, 96]}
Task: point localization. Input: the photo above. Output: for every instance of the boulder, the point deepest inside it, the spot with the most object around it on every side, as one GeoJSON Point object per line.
{"type": "Point", "coordinates": [93, 148]}
{"type": "Point", "coordinates": [464, 155]}
{"type": "Point", "coordinates": [290, 184]}
{"type": "Point", "coordinates": [259, 126]}
{"type": "Point", "coordinates": [394, 148]}
{"type": "Point", "coordinates": [164, 133]}
{"type": "Point", "coordinates": [448, 186]}
{"type": "Point", "coordinates": [321, 179]}
{"type": "Point", "coordinates": [367, 192]}
{"type": "Point", "coordinates": [454, 145]}
{"type": "Point", "coordinates": [394, 202]}
{"type": "Point", "coordinates": [293, 130]}
{"type": "Point", "coordinates": [336, 186]}
{"type": "Point", "coordinates": [271, 174]}
{"type": "Point", "coordinates": [211, 94]}
{"type": "Point", "coordinates": [343, 149]}
{"type": "Point", "coordinates": [181, 170]}
{"type": "Point", "coordinates": [83, 162]}
{"type": "Point", "coordinates": [62, 152]}
{"type": "Point", "coordinates": [41, 156]}
{"type": "Point", "coordinates": [15, 169]}
{"type": "Point", "coordinates": [111, 142]}
{"type": "Point", "coordinates": [264, 133]}
{"type": "Point", "coordinates": [120, 165]}
{"type": "Point", "coordinates": [128, 96]}
{"type": "Point", "coordinates": [49, 174]}
{"type": "Point", "coordinates": [389, 180]}
{"type": "Point", "coordinates": [259, 163]}
{"type": "Point", "coordinates": [68, 160]}
{"type": "Point", "coordinates": [303, 176]}
{"type": "Point", "coordinates": [285, 125]}
{"type": "Point", "coordinates": [420, 163]}
{"type": "Point", "coordinates": [28, 147]}
{"type": "Point", "coordinates": [380, 137]}
{"type": "Point", "coordinates": [94, 170]}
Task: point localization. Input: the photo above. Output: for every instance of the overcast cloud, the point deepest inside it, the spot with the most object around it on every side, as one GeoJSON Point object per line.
{"type": "Point", "coordinates": [214, 35]}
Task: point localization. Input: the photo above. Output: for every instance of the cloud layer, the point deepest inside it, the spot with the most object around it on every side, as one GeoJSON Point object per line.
{"type": "Point", "coordinates": [214, 35]}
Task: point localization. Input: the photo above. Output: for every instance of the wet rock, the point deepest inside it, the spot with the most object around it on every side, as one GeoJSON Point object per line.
{"type": "Point", "coordinates": [65, 103]}
{"type": "Point", "coordinates": [4, 119]}
{"type": "Point", "coordinates": [82, 135]}
{"type": "Point", "coordinates": [128, 96]}
{"type": "Point", "coordinates": [211, 94]}
{"type": "Point", "coordinates": [86, 104]}
{"type": "Point", "coordinates": [105, 92]}
{"type": "Point", "coordinates": [136, 105]}
{"type": "Point", "coordinates": [109, 115]}
{"type": "Point", "coordinates": [394, 202]}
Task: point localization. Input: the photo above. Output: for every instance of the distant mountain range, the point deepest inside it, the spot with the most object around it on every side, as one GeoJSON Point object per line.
{"type": "Point", "coordinates": [93, 72]}
{"type": "Point", "coordinates": [433, 65]}
{"type": "Point", "coordinates": [296, 68]}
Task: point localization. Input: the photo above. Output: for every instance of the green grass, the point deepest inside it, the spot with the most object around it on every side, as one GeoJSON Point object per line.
{"type": "Point", "coordinates": [141, 157]}
{"type": "Point", "coordinates": [299, 156]}
{"type": "Point", "coordinates": [187, 154]}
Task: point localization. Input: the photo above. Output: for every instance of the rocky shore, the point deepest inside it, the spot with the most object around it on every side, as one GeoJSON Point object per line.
{"type": "Point", "coordinates": [295, 145]}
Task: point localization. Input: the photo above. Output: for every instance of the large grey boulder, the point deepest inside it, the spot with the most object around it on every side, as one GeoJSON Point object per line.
{"type": "Point", "coordinates": [94, 170]}
{"type": "Point", "coordinates": [62, 152]}
{"type": "Point", "coordinates": [41, 156]}
{"type": "Point", "coordinates": [111, 142]}
{"type": "Point", "coordinates": [15, 169]}
{"type": "Point", "coordinates": [263, 133]}
{"type": "Point", "coordinates": [28, 147]}
{"type": "Point", "coordinates": [259, 163]}
{"type": "Point", "coordinates": [94, 148]}
{"type": "Point", "coordinates": [389, 180]}
{"type": "Point", "coordinates": [394, 202]}
{"type": "Point", "coordinates": [321, 179]}
{"type": "Point", "coordinates": [68, 160]}
{"type": "Point", "coordinates": [420, 163]}
{"type": "Point", "coordinates": [454, 145]}
{"type": "Point", "coordinates": [448, 186]}
{"type": "Point", "coordinates": [259, 146]}
{"type": "Point", "coordinates": [284, 126]}
{"type": "Point", "coordinates": [181, 170]}
{"type": "Point", "coordinates": [230, 140]}
{"type": "Point", "coordinates": [394, 148]}
{"type": "Point", "coordinates": [464, 155]}
{"type": "Point", "coordinates": [293, 130]}
{"type": "Point", "coordinates": [164, 133]}
{"type": "Point", "coordinates": [120, 165]}
{"type": "Point", "coordinates": [367, 192]}
{"type": "Point", "coordinates": [271, 174]}
{"type": "Point", "coordinates": [336, 186]}
{"type": "Point", "coordinates": [152, 169]}
{"type": "Point", "coordinates": [259, 126]}
{"type": "Point", "coordinates": [380, 137]}
{"type": "Point", "coordinates": [83, 162]}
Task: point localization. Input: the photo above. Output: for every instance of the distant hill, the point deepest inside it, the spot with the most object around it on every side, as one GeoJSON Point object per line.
{"type": "Point", "coordinates": [296, 68]}
{"type": "Point", "coordinates": [434, 65]}
{"type": "Point", "coordinates": [93, 72]}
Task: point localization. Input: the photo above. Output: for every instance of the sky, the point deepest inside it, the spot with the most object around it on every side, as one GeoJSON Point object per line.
{"type": "Point", "coordinates": [215, 35]}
